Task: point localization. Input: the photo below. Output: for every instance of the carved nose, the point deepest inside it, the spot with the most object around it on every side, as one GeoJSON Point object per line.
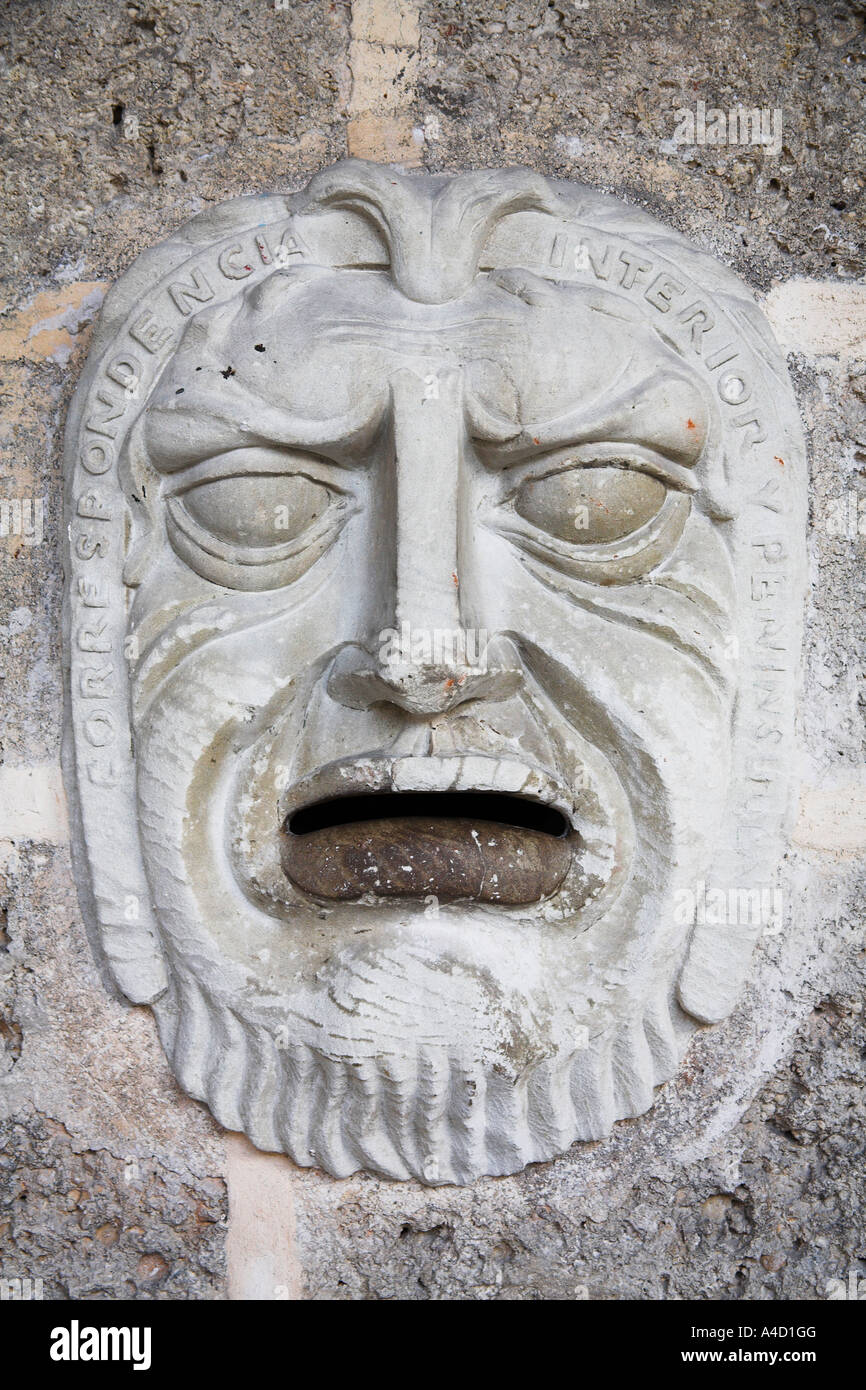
{"type": "Point", "coordinates": [430, 660]}
{"type": "Point", "coordinates": [453, 668]}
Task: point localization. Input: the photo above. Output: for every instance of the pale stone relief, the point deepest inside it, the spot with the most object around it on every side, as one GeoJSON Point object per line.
{"type": "Point", "coordinates": [436, 566]}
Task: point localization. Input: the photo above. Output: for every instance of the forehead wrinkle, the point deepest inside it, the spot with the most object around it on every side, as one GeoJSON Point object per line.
{"type": "Point", "coordinates": [396, 334]}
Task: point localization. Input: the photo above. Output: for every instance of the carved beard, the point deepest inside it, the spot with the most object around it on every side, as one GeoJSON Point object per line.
{"type": "Point", "coordinates": [350, 1040]}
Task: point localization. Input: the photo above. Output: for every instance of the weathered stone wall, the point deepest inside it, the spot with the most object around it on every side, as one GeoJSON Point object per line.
{"type": "Point", "coordinates": [121, 121]}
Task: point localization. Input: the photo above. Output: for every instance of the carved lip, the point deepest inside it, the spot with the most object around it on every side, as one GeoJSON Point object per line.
{"type": "Point", "coordinates": [468, 828]}
{"type": "Point", "coordinates": [430, 772]}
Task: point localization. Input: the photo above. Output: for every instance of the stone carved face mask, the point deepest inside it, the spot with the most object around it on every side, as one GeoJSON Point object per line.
{"type": "Point", "coordinates": [434, 586]}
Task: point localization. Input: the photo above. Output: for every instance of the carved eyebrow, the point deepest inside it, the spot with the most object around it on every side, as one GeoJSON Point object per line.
{"type": "Point", "coordinates": [180, 434]}
{"type": "Point", "coordinates": [665, 412]}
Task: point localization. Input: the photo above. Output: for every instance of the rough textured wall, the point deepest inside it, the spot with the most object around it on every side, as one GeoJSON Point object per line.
{"type": "Point", "coordinates": [120, 122]}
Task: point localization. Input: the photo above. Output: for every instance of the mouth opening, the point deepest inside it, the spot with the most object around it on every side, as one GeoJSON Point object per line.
{"type": "Point", "coordinates": [493, 807]}
{"type": "Point", "coordinates": [472, 846]}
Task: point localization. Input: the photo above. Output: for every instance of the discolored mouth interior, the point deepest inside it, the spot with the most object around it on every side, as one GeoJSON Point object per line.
{"type": "Point", "coordinates": [478, 846]}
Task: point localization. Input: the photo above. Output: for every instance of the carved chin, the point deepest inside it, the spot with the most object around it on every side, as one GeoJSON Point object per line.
{"type": "Point", "coordinates": [408, 1064]}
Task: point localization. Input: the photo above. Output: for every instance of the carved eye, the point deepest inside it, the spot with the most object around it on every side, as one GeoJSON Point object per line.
{"type": "Point", "coordinates": [590, 505]}
{"type": "Point", "coordinates": [256, 511]}
{"type": "Point", "coordinates": [255, 531]}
